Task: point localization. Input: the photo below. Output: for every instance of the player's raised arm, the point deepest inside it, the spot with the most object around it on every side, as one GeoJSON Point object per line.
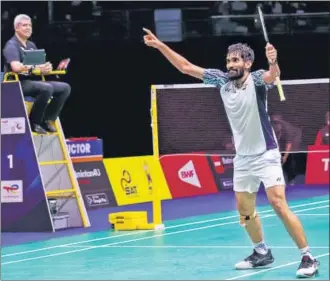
{"type": "Point", "coordinates": [274, 70]}
{"type": "Point", "coordinates": [177, 60]}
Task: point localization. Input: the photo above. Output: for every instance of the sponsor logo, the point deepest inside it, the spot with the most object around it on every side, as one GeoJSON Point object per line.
{"type": "Point", "coordinates": [188, 174]}
{"type": "Point", "coordinates": [97, 199]}
{"type": "Point", "coordinates": [227, 183]}
{"type": "Point", "coordinates": [126, 184]}
{"type": "Point", "coordinates": [148, 176]}
{"type": "Point", "coordinates": [84, 181]}
{"type": "Point", "coordinates": [227, 160]}
{"type": "Point", "coordinates": [217, 164]}
{"type": "Point", "coordinates": [12, 188]}
{"type": "Point", "coordinates": [11, 191]}
{"type": "Point", "coordinates": [79, 148]}
{"type": "Point", "coordinates": [326, 164]}
{"type": "Point", "coordinates": [88, 174]}
{"type": "Point", "coordinates": [317, 167]}
{"type": "Point", "coordinates": [11, 126]}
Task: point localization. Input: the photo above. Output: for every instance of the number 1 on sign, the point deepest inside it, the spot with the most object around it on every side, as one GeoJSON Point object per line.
{"type": "Point", "coordinates": [11, 162]}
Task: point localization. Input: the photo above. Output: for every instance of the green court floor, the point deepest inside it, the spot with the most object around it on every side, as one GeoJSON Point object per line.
{"type": "Point", "coordinates": [197, 248]}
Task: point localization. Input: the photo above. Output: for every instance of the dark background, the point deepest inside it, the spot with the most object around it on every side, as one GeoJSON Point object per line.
{"type": "Point", "coordinates": [111, 72]}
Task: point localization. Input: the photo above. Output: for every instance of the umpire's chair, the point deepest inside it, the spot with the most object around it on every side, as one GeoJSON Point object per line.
{"type": "Point", "coordinates": [5, 77]}
{"type": "Point", "coordinates": [46, 157]}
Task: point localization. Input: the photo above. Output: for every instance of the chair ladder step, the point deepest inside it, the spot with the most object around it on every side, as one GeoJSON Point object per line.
{"type": "Point", "coordinates": [61, 193]}
{"type": "Point", "coordinates": [48, 134]}
{"type": "Point", "coordinates": [48, 163]}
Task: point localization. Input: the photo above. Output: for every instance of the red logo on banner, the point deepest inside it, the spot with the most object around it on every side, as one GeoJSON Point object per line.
{"type": "Point", "coordinates": [188, 175]}
{"type": "Point", "coordinates": [218, 164]}
{"type": "Point", "coordinates": [318, 165]}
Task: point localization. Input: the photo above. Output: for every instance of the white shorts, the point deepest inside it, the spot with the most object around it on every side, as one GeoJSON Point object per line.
{"type": "Point", "coordinates": [250, 171]}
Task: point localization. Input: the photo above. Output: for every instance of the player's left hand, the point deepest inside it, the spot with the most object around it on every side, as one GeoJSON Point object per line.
{"type": "Point", "coordinates": [271, 53]}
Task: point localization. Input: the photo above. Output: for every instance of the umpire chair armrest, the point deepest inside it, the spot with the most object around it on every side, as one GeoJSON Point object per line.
{"type": "Point", "coordinates": [35, 72]}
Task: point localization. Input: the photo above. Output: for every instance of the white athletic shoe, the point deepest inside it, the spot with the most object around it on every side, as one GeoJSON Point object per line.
{"type": "Point", "coordinates": [256, 260]}
{"type": "Point", "coordinates": [308, 267]}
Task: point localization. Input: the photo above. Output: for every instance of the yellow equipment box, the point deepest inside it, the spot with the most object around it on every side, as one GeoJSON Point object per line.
{"type": "Point", "coordinates": [130, 221]}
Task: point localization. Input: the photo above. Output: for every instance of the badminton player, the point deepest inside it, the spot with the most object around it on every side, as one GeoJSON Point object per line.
{"type": "Point", "coordinates": [257, 159]}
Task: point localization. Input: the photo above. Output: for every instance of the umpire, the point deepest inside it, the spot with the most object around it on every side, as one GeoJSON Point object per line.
{"type": "Point", "coordinates": [42, 113]}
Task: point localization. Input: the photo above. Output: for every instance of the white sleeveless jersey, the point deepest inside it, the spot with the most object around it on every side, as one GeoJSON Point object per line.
{"type": "Point", "coordinates": [246, 109]}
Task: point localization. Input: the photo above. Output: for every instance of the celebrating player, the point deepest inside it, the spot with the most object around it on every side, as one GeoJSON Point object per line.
{"type": "Point", "coordinates": [257, 159]}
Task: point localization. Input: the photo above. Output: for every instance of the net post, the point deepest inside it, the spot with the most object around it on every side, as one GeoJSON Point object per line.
{"type": "Point", "coordinates": [156, 201]}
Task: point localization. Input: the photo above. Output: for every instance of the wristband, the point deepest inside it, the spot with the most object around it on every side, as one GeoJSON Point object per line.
{"type": "Point", "coordinates": [31, 70]}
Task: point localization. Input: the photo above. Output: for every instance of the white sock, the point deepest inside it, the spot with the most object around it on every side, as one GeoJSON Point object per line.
{"type": "Point", "coordinates": [306, 252]}
{"type": "Point", "coordinates": [261, 248]}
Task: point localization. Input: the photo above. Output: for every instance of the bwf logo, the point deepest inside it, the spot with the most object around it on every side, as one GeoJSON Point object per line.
{"type": "Point", "coordinates": [326, 164]}
{"type": "Point", "coordinates": [188, 174]}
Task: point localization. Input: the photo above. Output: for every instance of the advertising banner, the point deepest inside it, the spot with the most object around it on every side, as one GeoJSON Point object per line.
{"type": "Point", "coordinates": [318, 164]}
{"type": "Point", "coordinates": [85, 149]}
{"type": "Point", "coordinates": [24, 207]}
{"type": "Point", "coordinates": [188, 175]}
{"type": "Point", "coordinates": [222, 170]}
{"type": "Point", "coordinates": [94, 185]}
{"type": "Point", "coordinates": [133, 179]}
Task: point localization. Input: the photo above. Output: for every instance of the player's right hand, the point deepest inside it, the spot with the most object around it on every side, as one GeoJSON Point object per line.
{"type": "Point", "coordinates": [151, 40]}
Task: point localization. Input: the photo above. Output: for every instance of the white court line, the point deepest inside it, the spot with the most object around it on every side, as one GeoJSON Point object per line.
{"type": "Point", "coordinates": [314, 215]}
{"type": "Point", "coordinates": [146, 238]}
{"type": "Point", "coordinates": [145, 231]}
{"type": "Point", "coordinates": [124, 242]}
{"type": "Point", "coordinates": [198, 247]}
{"type": "Point", "coordinates": [315, 208]}
{"type": "Point", "coordinates": [272, 268]}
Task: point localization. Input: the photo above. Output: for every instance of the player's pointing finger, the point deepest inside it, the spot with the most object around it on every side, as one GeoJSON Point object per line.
{"type": "Point", "coordinates": [148, 31]}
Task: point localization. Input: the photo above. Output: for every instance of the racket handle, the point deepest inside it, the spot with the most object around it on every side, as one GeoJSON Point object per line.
{"type": "Point", "coordinates": [280, 89]}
